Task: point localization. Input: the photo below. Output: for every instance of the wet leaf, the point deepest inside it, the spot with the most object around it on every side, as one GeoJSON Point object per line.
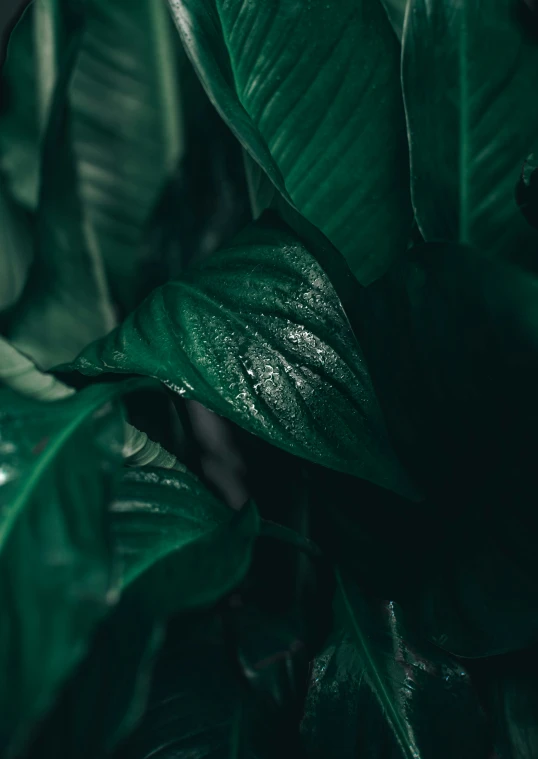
{"type": "Point", "coordinates": [303, 97]}
{"type": "Point", "coordinates": [257, 334]}
{"type": "Point", "coordinates": [422, 694]}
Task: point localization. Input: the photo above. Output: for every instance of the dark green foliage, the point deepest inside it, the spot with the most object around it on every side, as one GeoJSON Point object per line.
{"type": "Point", "coordinates": [308, 230]}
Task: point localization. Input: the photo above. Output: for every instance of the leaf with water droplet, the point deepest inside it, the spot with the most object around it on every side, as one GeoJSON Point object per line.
{"type": "Point", "coordinates": [224, 323]}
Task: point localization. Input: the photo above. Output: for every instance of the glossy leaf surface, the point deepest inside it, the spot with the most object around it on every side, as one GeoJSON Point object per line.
{"type": "Point", "coordinates": [300, 86]}
{"type": "Point", "coordinates": [178, 545]}
{"type": "Point", "coordinates": [107, 694]}
{"type": "Point", "coordinates": [469, 141]}
{"type": "Point", "coordinates": [127, 131]}
{"type": "Point", "coordinates": [422, 694]}
{"type": "Point", "coordinates": [200, 708]}
{"type": "Point", "coordinates": [257, 334]}
{"type": "Point", "coordinates": [55, 558]}
{"type": "Point", "coordinates": [66, 303]}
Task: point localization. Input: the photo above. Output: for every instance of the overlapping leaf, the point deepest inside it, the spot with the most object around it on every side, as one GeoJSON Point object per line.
{"type": "Point", "coordinates": [470, 74]}
{"type": "Point", "coordinates": [127, 130]}
{"type": "Point", "coordinates": [258, 334]}
{"type": "Point", "coordinates": [66, 304]}
{"type": "Point", "coordinates": [422, 695]}
{"type": "Point", "coordinates": [177, 544]}
{"type": "Point", "coordinates": [57, 459]}
{"type": "Point", "coordinates": [312, 90]}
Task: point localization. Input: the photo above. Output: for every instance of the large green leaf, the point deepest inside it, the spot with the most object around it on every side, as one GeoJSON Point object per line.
{"type": "Point", "coordinates": [470, 76]}
{"type": "Point", "coordinates": [127, 131]}
{"type": "Point", "coordinates": [422, 694]}
{"type": "Point", "coordinates": [55, 558]}
{"type": "Point", "coordinates": [200, 708]}
{"type": "Point", "coordinates": [313, 93]}
{"type": "Point", "coordinates": [177, 544]}
{"type": "Point", "coordinates": [258, 334]}
{"type": "Point", "coordinates": [66, 304]}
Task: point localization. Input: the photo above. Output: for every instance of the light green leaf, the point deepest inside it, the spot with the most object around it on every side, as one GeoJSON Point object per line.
{"type": "Point", "coordinates": [55, 559]}
{"type": "Point", "coordinates": [258, 334]}
{"type": "Point", "coordinates": [312, 90]}
{"type": "Point", "coordinates": [127, 127]}
{"type": "Point", "coordinates": [66, 303]}
{"type": "Point", "coordinates": [470, 77]}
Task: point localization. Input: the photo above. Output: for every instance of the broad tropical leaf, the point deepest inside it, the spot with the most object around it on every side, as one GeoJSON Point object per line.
{"type": "Point", "coordinates": [55, 557]}
{"type": "Point", "coordinates": [300, 84]}
{"type": "Point", "coordinates": [258, 334]}
{"type": "Point", "coordinates": [422, 694]}
{"type": "Point", "coordinates": [66, 304]}
{"type": "Point", "coordinates": [177, 545]}
{"type": "Point", "coordinates": [127, 130]}
{"type": "Point", "coordinates": [200, 707]}
{"type": "Point", "coordinates": [469, 140]}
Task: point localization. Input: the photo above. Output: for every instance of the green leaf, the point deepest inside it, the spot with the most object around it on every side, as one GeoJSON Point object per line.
{"type": "Point", "coordinates": [200, 708]}
{"type": "Point", "coordinates": [472, 117]}
{"type": "Point", "coordinates": [35, 55]}
{"type": "Point", "coordinates": [107, 695]}
{"type": "Point", "coordinates": [299, 85]}
{"type": "Point", "coordinates": [424, 696]}
{"type": "Point", "coordinates": [65, 305]}
{"type": "Point", "coordinates": [257, 334]}
{"type": "Point", "coordinates": [177, 545]}
{"type": "Point", "coordinates": [19, 120]}
{"type": "Point", "coordinates": [16, 250]}
{"type": "Point", "coordinates": [55, 559]}
{"type": "Point", "coordinates": [127, 130]}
